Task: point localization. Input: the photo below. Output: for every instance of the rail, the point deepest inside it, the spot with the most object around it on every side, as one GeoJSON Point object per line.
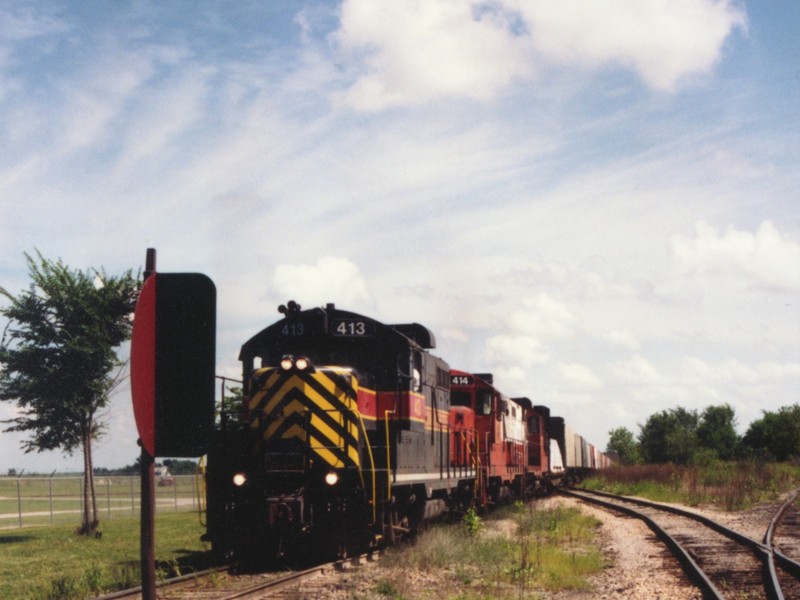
{"type": "Point", "coordinates": [689, 560]}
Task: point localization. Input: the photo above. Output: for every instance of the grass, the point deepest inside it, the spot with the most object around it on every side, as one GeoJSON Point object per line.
{"type": "Point", "coordinates": [52, 563]}
{"type": "Point", "coordinates": [726, 484]}
{"type": "Point", "coordinates": [543, 550]}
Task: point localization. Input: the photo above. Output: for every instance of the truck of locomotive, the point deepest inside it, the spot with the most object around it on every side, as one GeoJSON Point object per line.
{"type": "Point", "coordinates": [352, 433]}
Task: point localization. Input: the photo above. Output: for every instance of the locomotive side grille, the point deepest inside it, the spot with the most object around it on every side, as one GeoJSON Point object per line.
{"type": "Point", "coordinates": [317, 408]}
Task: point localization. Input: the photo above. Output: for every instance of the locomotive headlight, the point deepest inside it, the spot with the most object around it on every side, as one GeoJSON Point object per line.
{"type": "Point", "coordinates": [239, 479]}
{"type": "Point", "coordinates": [286, 363]}
{"type": "Point", "coordinates": [301, 363]}
{"type": "Point", "coordinates": [332, 478]}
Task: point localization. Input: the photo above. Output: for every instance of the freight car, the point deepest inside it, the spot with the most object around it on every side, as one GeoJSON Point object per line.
{"type": "Point", "coordinates": [352, 433]}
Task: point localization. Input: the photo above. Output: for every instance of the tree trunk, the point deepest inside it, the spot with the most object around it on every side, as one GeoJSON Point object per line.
{"type": "Point", "coordinates": [85, 521]}
{"type": "Point", "coordinates": [89, 519]}
{"type": "Point", "coordinates": [92, 490]}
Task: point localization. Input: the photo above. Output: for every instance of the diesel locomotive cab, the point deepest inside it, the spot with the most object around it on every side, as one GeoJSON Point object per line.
{"type": "Point", "coordinates": [337, 409]}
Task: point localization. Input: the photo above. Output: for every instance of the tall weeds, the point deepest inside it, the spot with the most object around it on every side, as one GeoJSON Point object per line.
{"type": "Point", "coordinates": [727, 484]}
{"type": "Point", "coordinates": [509, 555]}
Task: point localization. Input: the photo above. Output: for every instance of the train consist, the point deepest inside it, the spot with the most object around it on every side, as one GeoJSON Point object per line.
{"type": "Point", "coordinates": [353, 433]}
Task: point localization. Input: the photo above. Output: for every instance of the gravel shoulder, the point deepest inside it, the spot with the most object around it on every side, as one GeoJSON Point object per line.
{"type": "Point", "coordinates": [639, 567]}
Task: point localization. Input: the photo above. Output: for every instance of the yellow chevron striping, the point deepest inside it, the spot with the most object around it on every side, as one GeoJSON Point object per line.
{"type": "Point", "coordinates": [296, 382]}
{"type": "Point", "coordinates": [268, 384]}
{"type": "Point", "coordinates": [333, 388]}
{"type": "Point", "coordinates": [295, 406]}
{"type": "Point", "coordinates": [295, 431]}
{"type": "Point", "coordinates": [325, 396]}
{"type": "Point", "coordinates": [326, 455]}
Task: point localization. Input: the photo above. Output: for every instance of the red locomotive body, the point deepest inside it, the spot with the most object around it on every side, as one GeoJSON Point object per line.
{"type": "Point", "coordinates": [510, 437]}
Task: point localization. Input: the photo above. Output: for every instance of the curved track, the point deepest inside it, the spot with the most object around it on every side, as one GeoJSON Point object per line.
{"type": "Point", "coordinates": [721, 562]}
{"type": "Point", "coordinates": [783, 540]}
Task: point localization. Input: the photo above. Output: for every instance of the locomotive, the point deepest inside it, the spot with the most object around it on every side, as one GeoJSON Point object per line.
{"type": "Point", "coordinates": [352, 433]}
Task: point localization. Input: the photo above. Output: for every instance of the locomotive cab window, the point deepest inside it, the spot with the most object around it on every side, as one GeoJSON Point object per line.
{"type": "Point", "coordinates": [533, 425]}
{"type": "Point", "coordinates": [416, 371]}
{"type": "Point", "coordinates": [484, 405]}
{"type": "Point", "coordinates": [461, 399]}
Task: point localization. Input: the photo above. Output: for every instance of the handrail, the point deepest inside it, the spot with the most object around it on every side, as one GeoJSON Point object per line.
{"type": "Point", "coordinates": [372, 464]}
{"type": "Point", "coordinates": [388, 455]}
{"type": "Point", "coordinates": [200, 477]}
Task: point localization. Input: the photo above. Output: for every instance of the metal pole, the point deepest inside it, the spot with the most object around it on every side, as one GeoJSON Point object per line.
{"type": "Point", "coordinates": [147, 532]}
{"type": "Point", "coordinates": [148, 507]}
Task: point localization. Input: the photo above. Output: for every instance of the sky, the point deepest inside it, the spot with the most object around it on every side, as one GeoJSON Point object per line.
{"type": "Point", "coordinates": [596, 202]}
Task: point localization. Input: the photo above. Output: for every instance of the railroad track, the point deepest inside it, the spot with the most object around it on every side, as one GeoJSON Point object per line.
{"type": "Point", "coordinates": [783, 540]}
{"type": "Point", "coordinates": [721, 562]}
{"type": "Point", "coordinates": [223, 583]}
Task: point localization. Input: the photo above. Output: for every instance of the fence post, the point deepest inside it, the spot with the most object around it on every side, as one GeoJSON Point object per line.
{"type": "Point", "coordinates": [108, 496]}
{"type": "Point", "coordinates": [133, 499]}
{"type": "Point", "coordinates": [19, 503]}
{"type": "Point", "coordinates": [50, 482]}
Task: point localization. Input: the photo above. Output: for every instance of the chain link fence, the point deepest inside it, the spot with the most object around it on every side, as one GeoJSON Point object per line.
{"type": "Point", "coordinates": [26, 501]}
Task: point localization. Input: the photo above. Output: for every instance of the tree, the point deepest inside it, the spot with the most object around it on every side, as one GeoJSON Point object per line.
{"type": "Point", "coordinates": [776, 433]}
{"type": "Point", "coordinates": [622, 443]}
{"type": "Point", "coordinates": [59, 361]}
{"type": "Point", "coordinates": [181, 467]}
{"type": "Point", "coordinates": [228, 417]}
{"type": "Point", "coordinates": [717, 431]}
{"type": "Point", "coordinates": [669, 436]}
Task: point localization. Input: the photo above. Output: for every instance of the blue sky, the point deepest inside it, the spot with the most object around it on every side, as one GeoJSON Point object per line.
{"type": "Point", "coordinates": [596, 202]}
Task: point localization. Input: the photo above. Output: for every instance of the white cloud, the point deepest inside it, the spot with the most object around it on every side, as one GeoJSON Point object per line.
{"type": "Point", "coordinates": [662, 41]}
{"type": "Point", "coordinates": [734, 373]}
{"type": "Point", "coordinates": [517, 351]}
{"type": "Point", "coordinates": [764, 258]}
{"type": "Point", "coordinates": [454, 334]}
{"type": "Point", "coordinates": [579, 376]}
{"type": "Point", "coordinates": [636, 370]}
{"type": "Point", "coordinates": [623, 339]}
{"type": "Point", "coordinates": [541, 316]}
{"type": "Point", "coordinates": [330, 279]}
{"type": "Point", "coordinates": [417, 51]}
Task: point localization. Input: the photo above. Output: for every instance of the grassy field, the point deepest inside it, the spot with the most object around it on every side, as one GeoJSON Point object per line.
{"type": "Point", "coordinates": [52, 563]}
{"type": "Point", "coordinates": [728, 485]}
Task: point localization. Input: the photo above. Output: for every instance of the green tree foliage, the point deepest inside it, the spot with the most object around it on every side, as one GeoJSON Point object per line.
{"type": "Point", "coordinates": [624, 445]}
{"type": "Point", "coordinates": [181, 467]}
{"type": "Point", "coordinates": [717, 431]}
{"type": "Point", "coordinates": [58, 358]}
{"type": "Point", "coordinates": [776, 433]}
{"type": "Point", "coordinates": [228, 417]}
{"type": "Point", "coordinates": [669, 436]}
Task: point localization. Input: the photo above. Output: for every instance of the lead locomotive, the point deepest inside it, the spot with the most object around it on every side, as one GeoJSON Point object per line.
{"type": "Point", "coordinates": [344, 438]}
